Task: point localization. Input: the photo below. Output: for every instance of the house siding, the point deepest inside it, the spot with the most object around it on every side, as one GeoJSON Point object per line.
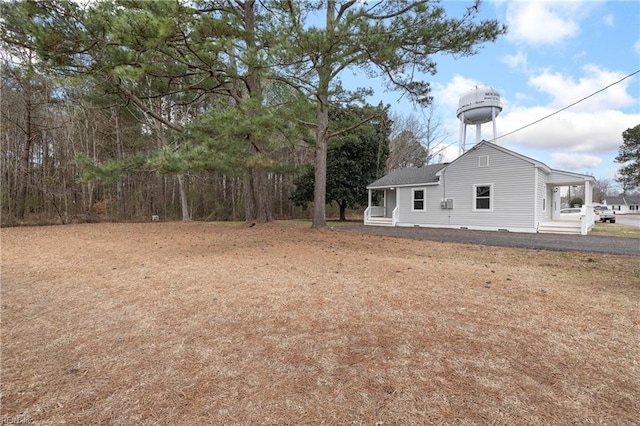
{"type": "Point", "coordinates": [524, 193]}
{"type": "Point", "coordinates": [432, 200]}
{"type": "Point", "coordinates": [513, 198]}
{"type": "Point", "coordinates": [544, 196]}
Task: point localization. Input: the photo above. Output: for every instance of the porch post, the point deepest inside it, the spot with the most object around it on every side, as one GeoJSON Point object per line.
{"type": "Point", "coordinates": [588, 193]}
{"type": "Point", "coordinates": [369, 202]}
{"type": "Point", "coordinates": [557, 201]}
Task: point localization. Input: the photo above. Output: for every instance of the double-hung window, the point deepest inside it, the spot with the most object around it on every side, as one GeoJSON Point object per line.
{"type": "Point", "coordinates": [483, 195]}
{"type": "Point", "coordinates": [418, 200]}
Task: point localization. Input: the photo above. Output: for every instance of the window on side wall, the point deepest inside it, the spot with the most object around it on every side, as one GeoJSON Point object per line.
{"type": "Point", "coordinates": [483, 197]}
{"type": "Point", "coordinates": [418, 200]}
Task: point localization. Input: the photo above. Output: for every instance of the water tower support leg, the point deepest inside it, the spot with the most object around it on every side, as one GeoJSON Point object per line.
{"type": "Point", "coordinates": [463, 135]}
{"type": "Point", "coordinates": [493, 119]}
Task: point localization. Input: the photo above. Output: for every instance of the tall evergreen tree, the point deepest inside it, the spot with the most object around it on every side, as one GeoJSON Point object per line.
{"type": "Point", "coordinates": [629, 157]}
{"type": "Point", "coordinates": [389, 39]}
{"type": "Point", "coordinates": [174, 62]}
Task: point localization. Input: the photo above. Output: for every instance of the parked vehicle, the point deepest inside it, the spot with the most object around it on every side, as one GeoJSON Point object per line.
{"type": "Point", "coordinates": [573, 212]}
{"type": "Point", "coordinates": [605, 214]}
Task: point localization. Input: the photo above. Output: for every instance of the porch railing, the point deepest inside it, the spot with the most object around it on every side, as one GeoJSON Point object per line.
{"type": "Point", "coordinates": [587, 219]}
{"type": "Point", "coordinates": [376, 211]}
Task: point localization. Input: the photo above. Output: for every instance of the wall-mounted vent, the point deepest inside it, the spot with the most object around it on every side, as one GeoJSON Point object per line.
{"type": "Point", "coordinates": [483, 161]}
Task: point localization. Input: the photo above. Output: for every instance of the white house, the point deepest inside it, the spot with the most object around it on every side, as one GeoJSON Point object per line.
{"type": "Point", "coordinates": [623, 204]}
{"type": "Point", "coordinates": [487, 188]}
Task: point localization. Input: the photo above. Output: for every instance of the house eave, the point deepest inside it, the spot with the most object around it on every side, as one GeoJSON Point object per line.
{"type": "Point", "coordinates": [578, 176]}
{"type": "Point", "coordinates": [404, 185]}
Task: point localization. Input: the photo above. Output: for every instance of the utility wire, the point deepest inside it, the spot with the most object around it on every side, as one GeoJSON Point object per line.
{"type": "Point", "coordinates": [567, 107]}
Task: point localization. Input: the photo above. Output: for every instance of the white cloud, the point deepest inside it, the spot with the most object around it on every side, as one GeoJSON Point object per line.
{"type": "Point", "coordinates": [592, 133]}
{"type": "Point", "coordinates": [608, 20]}
{"type": "Point", "coordinates": [578, 56]}
{"type": "Point", "coordinates": [519, 60]}
{"type": "Point", "coordinates": [448, 95]}
{"type": "Point", "coordinates": [565, 90]}
{"type": "Point", "coordinates": [636, 47]}
{"type": "Point", "coordinates": [542, 23]}
{"type": "Point", "coordinates": [575, 161]}
{"type": "Point", "coordinates": [450, 153]}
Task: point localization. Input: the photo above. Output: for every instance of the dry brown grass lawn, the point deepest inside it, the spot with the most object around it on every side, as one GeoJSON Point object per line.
{"type": "Point", "coordinates": [171, 323]}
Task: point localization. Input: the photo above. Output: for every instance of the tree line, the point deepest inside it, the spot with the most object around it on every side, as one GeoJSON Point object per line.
{"type": "Point", "coordinates": [208, 109]}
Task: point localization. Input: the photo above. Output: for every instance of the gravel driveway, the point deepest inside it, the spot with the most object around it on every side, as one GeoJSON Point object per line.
{"type": "Point", "coordinates": [585, 243]}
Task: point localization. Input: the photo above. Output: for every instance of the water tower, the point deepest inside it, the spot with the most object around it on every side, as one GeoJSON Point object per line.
{"type": "Point", "coordinates": [478, 106]}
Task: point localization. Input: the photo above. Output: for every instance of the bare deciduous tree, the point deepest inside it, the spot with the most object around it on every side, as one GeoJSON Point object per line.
{"type": "Point", "coordinates": [416, 141]}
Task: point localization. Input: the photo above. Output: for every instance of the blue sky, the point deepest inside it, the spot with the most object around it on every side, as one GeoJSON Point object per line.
{"type": "Point", "coordinates": [554, 54]}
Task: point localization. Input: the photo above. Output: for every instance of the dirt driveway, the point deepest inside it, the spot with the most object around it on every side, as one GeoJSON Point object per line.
{"type": "Point", "coordinates": [558, 242]}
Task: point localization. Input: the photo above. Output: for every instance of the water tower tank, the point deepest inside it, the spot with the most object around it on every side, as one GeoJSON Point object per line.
{"type": "Point", "coordinates": [479, 105]}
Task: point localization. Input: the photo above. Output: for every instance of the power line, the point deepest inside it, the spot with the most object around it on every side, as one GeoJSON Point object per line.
{"type": "Point", "coordinates": [568, 106]}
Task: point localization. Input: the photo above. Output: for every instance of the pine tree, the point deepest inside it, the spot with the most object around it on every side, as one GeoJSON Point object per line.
{"type": "Point", "coordinates": [389, 39]}
{"type": "Point", "coordinates": [629, 157]}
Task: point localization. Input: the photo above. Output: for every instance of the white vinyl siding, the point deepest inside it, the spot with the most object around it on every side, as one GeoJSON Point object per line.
{"type": "Point", "coordinates": [544, 195]}
{"type": "Point", "coordinates": [512, 197]}
{"type": "Point", "coordinates": [513, 194]}
{"type": "Point", "coordinates": [432, 211]}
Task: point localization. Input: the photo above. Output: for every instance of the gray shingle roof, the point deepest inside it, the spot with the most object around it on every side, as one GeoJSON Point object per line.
{"type": "Point", "coordinates": [620, 199]}
{"type": "Point", "coordinates": [409, 176]}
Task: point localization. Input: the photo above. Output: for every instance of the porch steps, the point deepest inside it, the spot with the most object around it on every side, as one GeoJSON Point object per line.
{"type": "Point", "coordinates": [379, 221]}
{"type": "Point", "coordinates": [559, 227]}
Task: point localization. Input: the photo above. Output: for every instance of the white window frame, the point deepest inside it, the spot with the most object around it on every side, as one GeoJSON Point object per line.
{"type": "Point", "coordinates": [486, 161]}
{"type": "Point", "coordinates": [475, 197]}
{"type": "Point", "coordinates": [413, 199]}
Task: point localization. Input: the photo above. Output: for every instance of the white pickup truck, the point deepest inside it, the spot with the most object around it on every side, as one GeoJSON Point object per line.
{"type": "Point", "coordinates": [605, 214]}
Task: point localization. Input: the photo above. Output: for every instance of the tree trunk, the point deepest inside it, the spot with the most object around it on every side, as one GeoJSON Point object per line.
{"type": "Point", "coordinates": [183, 199]}
{"type": "Point", "coordinates": [257, 199]}
{"type": "Point", "coordinates": [249, 200]}
{"type": "Point", "coordinates": [25, 160]}
{"type": "Point", "coordinates": [322, 131]}
{"type": "Point", "coordinates": [343, 210]}
{"type": "Point", "coordinates": [257, 194]}
{"type": "Point", "coordinates": [320, 184]}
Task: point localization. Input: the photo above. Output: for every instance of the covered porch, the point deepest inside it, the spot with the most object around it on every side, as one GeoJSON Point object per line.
{"type": "Point", "coordinates": [562, 189]}
{"type": "Point", "coordinates": [382, 207]}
